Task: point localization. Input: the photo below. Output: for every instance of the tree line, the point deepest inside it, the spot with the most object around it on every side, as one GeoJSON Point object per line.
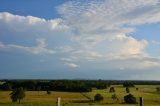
{"type": "Point", "coordinates": [68, 85]}
{"type": "Point", "coordinates": [55, 85]}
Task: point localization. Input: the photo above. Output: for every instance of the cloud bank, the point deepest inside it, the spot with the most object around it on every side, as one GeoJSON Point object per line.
{"type": "Point", "coordinates": [89, 31]}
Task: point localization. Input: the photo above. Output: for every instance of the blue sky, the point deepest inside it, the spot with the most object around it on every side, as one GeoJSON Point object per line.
{"type": "Point", "coordinates": [90, 39]}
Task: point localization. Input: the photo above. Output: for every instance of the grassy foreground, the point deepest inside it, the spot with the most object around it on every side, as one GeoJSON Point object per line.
{"type": "Point", "coordinates": [41, 98]}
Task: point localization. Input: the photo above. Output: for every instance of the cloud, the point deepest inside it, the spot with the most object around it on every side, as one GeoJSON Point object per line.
{"type": "Point", "coordinates": [96, 21]}
{"type": "Point", "coordinates": [71, 65]}
{"type": "Point", "coordinates": [94, 15]}
{"type": "Point", "coordinates": [155, 42]}
{"type": "Point", "coordinates": [23, 23]}
{"type": "Point", "coordinates": [88, 31]}
{"type": "Point", "coordinates": [39, 49]}
{"type": "Point", "coordinates": [29, 28]}
{"type": "Point", "coordinates": [70, 58]}
{"type": "Point", "coordinates": [65, 48]}
{"type": "Point", "coordinates": [103, 31]}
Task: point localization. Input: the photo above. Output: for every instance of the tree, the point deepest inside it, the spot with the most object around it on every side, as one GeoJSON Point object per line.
{"type": "Point", "coordinates": [17, 94]}
{"type": "Point", "coordinates": [98, 97]}
{"type": "Point", "coordinates": [158, 89]}
{"type": "Point", "coordinates": [7, 86]}
{"type": "Point", "coordinates": [112, 89]}
{"type": "Point", "coordinates": [114, 97]}
{"type": "Point", "coordinates": [127, 90]}
{"type": "Point", "coordinates": [128, 84]}
{"type": "Point", "coordinates": [130, 99]}
{"type": "Point", "coordinates": [48, 92]}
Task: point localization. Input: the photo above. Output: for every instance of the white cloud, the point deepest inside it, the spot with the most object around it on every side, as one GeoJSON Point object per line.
{"type": "Point", "coordinates": [93, 30]}
{"type": "Point", "coordinates": [27, 23]}
{"type": "Point", "coordinates": [39, 49]}
{"type": "Point", "coordinates": [97, 21]}
{"type": "Point", "coordinates": [104, 27]}
{"type": "Point", "coordinates": [71, 65]}
{"type": "Point", "coordinates": [65, 49]}
{"type": "Point", "coordinates": [102, 15]}
{"type": "Point", "coordinates": [29, 28]}
{"type": "Point", "coordinates": [70, 58]}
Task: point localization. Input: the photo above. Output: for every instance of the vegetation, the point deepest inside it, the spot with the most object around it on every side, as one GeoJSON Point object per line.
{"type": "Point", "coordinates": [56, 85]}
{"type": "Point", "coordinates": [128, 84]}
{"type": "Point", "coordinates": [127, 90]}
{"type": "Point", "coordinates": [114, 97]}
{"type": "Point", "coordinates": [130, 99]}
{"type": "Point", "coordinates": [149, 93]}
{"type": "Point", "coordinates": [48, 92]}
{"type": "Point", "coordinates": [158, 89]}
{"type": "Point", "coordinates": [17, 94]}
{"type": "Point", "coordinates": [98, 97]}
{"type": "Point", "coordinates": [112, 89]}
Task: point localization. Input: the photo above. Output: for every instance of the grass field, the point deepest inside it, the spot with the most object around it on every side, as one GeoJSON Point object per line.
{"type": "Point", "coordinates": [41, 98]}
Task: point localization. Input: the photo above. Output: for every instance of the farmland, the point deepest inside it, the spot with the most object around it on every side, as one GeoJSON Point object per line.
{"type": "Point", "coordinates": [40, 98]}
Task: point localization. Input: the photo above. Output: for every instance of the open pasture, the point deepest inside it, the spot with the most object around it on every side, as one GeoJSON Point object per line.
{"type": "Point", "coordinates": [40, 98]}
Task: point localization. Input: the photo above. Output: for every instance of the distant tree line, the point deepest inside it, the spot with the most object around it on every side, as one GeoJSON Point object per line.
{"type": "Point", "coordinates": [128, 84]}
{"type": "Point", "coordinates": [55, 85]}
{"type": "Point", "coordinates": [69, 85]}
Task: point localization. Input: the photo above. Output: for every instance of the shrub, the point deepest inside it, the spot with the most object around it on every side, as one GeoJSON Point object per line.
{"type": "Point", "coordinates": [114, 97]}
{"type": "Point", "coordinates": [127, 90]}
{"type": "Point", "coordinates": [158, 89]}
{"type": "Point", "coordinates": [48, 92]}
{"type": "Point", "coordinates": [112, 89]}
{"type": "Point", "coordinates": [130, 99]}
{"type": "Point", "coordinates": [98, 97]}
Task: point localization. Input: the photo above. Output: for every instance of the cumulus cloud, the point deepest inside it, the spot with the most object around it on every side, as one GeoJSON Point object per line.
{"type": "Point", "coordinates": [24, 23]}
{"type": "Point", "coordinates": [39, 49]}
{"type": "Point", "coordinates": [93, 30]}
{"type": "Point", "coordinates": [105, 27]}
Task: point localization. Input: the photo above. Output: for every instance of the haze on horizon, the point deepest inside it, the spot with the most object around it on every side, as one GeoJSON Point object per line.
{"type": "Point", "coordinates": [90, 39]}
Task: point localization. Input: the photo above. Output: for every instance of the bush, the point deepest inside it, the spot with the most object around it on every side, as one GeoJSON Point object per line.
{"type": "Point", "coordinates": [48, 92]}
{"type": "Point", "coordinates": [130, 99]}
{"type": "Point", "coordinates": [112, 89]}
{"type": "Point", "coordinates": [114, 97]}
{"type": "Point", "coordinates": [158, 89]}
{"type": "Point", "coordinates": [127, 90]}
{"type": "Point", "coordinates": [98, 97]}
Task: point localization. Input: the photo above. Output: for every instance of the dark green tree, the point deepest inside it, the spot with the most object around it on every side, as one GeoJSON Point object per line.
{"type": "Point", "coordinates": [112, 89]}
{"type": "Point", "coordinates": [128, 84]}
{"type": "Point", "coordinates": [158, 89]}
{"type": "Point", "coordinates": [17, 94]}
{"type": "Point", "coordinates": [127, 90]}
{"type": "Point", "coordinates": [114, 97]}
{"type": "Point", "coordinates": [48, 92]}
{"type": "Point", "coordinates": [98, 97]}
{"type": "Point", "coordinates": [130, 99]}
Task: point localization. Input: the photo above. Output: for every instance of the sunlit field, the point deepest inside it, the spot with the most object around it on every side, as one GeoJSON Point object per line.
{"type": "Point", "coordinates": [41, 98]}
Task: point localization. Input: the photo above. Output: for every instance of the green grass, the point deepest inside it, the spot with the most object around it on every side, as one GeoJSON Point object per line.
{"type": "Point", "coordinates": [35, 98]}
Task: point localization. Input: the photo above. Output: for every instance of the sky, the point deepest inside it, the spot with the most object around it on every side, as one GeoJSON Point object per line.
{"type": "Point", "coordinates": [80, 39]}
